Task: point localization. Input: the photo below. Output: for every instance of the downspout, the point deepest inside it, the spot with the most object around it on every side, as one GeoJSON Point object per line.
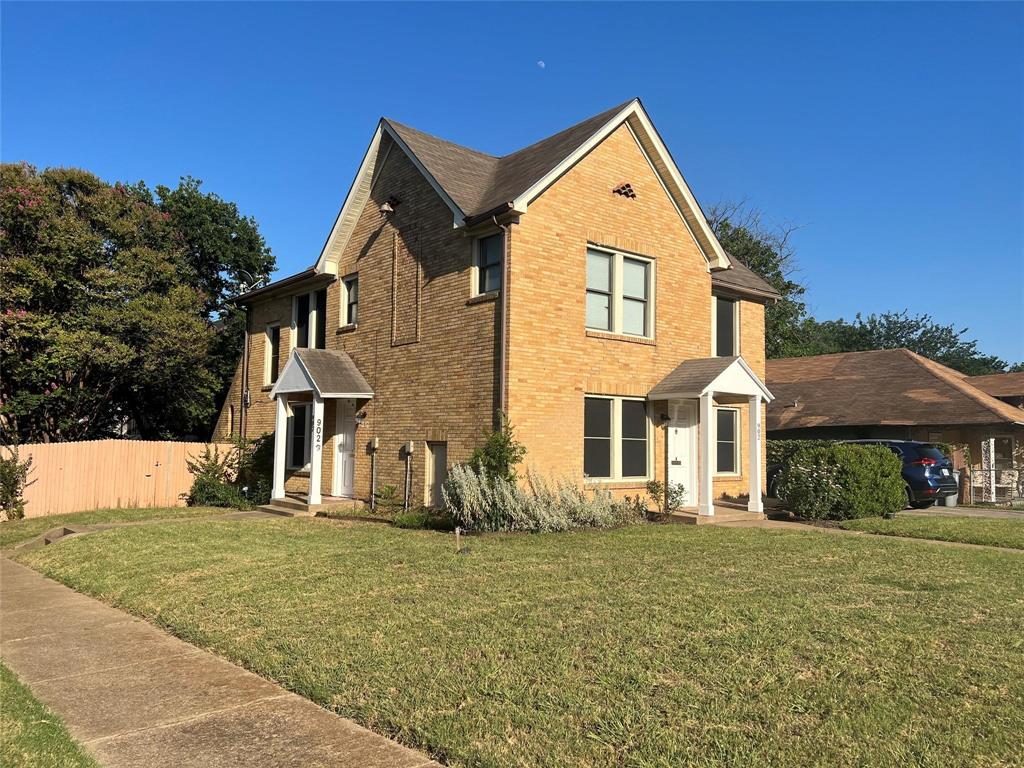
{"type": "Point", "coordinates": [245, 376]}
{"type": "Point", "coordinates": [503, 322]}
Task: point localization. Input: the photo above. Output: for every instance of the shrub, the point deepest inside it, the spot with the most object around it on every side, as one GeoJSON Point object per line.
{"type": "Point", "coordinates": [839, 481]}
{"type": "Point", "coordinates": [481, 502]}
{"type": "Point", "coordinates": [668, 498]}
{"type": "Point", "coordinates": [780, 451]}
{"type": "Point", "coordinates": [387, 501]}
{"type": "Point", "coordinates": [215, 476]}
{"type": "Point", "coordinates": [13, 482]}
{"type": "Point", "coordinates": [500, 454]}
{"type": "Point", "coordinates": [255, 468]}
{"type": "Point", "coordinates": [424, 519]}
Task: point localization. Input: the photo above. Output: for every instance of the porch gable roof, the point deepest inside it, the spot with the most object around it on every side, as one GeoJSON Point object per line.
{"type": "Point", "coordinates": [327, 373]}
{"type": "Point", "coordinates": [693, 378]}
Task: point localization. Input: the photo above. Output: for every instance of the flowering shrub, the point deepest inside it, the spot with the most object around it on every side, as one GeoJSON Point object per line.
{"type": "Point", "coordinates": [481, 502]}
{"type": "Point", "coordinates": [841, 481]}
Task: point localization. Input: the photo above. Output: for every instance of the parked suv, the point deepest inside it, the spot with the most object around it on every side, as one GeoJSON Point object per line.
{"type": "Point", "coordinates": [926, 470]}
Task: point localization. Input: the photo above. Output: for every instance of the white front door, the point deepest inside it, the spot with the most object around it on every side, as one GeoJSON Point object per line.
{"type": "Point", "coordinates": [345, 449]}
{"type": "Point", "coordinates": [437, 473]}
{"type": "Point", "coordinates": [682, 450]}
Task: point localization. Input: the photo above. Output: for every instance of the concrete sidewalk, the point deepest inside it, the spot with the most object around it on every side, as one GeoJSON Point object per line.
{"type": "Point", "coordinates": [135, 696]}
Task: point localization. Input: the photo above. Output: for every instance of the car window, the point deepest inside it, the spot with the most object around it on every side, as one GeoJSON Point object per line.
{"type": "Point", "coordinates": [930, 452]}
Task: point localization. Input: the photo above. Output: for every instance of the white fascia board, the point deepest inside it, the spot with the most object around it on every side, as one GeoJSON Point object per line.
{"type": "Point", "coordinates": [365, 167]}
{"type": "Point", "coordinates": [457, 214]}
{"type": "Point", "coordinates": [717, 385]}
{"type": "Point", "coordinates": [361, 395]}
{"type": "Point", "coordinates": [294, 378]}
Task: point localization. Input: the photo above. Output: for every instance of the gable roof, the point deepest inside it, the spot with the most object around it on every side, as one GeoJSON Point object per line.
{"type": "Point", "coordinates": [325, 372]}
{"type": "Point", "coordinates": [691, 378]}
{"type": "Point", "coordinates": [879, 387]}
{"type": "Point", "coordinates": [741, 279]}
{"type": "Point", "coordinates": [1000, 384]}
{"type": "Point", "coordinates": [476, 185]}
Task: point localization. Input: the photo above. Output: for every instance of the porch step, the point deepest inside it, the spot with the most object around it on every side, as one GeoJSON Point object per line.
{"type": "Point", "coordinates": [722, 515]}
{"type": "Point", "coordinates": [293, 507]}
{"type": "Point", "coordinates": [275, 507]}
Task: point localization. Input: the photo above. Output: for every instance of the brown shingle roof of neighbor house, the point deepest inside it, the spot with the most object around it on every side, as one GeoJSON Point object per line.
{"type": "Point", "coordinates": [333, 372]}
{"type": "Point", "coordinates": [1000, 384]}
{"type": "Point", "coordinates": [739, 278]}
{"type": "Point", "coordinates": [879, 387]}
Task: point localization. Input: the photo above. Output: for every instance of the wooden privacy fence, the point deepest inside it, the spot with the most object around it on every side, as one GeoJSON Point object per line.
{"type": "Point", "coordinates": [101, 474]}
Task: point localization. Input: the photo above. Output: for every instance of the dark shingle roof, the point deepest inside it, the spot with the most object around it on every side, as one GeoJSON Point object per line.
{"type": "Point", "coordinates": [480, 183]}
{"type": "Point", "coordinates": [741, 279]}
{"type": "Point", "coordinates": [333, 372]}
{"type": "Point", "coordinates": [690, 376]}
{"type": "Point", "coordinates": [1000, 384]}
{"type": "Point", "coordinates": [879, 387]}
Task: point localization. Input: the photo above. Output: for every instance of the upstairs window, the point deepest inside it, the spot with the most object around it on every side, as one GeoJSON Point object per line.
{"type": "Point", "coordinates": [350, 300]}
{"type": "Point", "coordinates": [309, 319]}
{"type": "Point", "coordinates": [619, 291]}
{"type": "Point", "coordinates": [726, 327]}
{"type": "Point", "coordinates": [272, 358]}
{"type": "Point", "coordinates": [302, 320]}
{"type": "Point", "coordinates": [488, 263]}
{"type": "Point", "coordinates": [320, 318]}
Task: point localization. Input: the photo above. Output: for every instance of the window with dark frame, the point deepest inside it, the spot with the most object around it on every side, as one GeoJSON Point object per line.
{"type": "Point", "coordinates": [298, 433]}
{"type": "Point", "coordinates": [352, 300]}
{"type": "Point", "coordinates": [725, 327]}
{"type": "Point", "coordinates": [302, 320]}
{"type": "Point", "coordinates": [634, 438]}
{"type": "Point", "coordinates": [488, 254]}
{"type": "Point", "coordinates": [726, 425]}
{"type": "Point", "coordinates": [599, 291]}
{"type": "Point", "coordinates": [274, 342]}
{"type": "Point", "coordinates": [597, 437]}
{"type": "Point", "coordinates": [321, 319]}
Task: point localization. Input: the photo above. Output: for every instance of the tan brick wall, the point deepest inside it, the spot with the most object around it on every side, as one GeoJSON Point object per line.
{"type": "Point", "coordinates": [554, 361]}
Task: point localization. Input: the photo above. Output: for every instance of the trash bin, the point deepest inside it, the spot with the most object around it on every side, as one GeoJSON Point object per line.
{"type": "Point", "coordinates": [950, 501]}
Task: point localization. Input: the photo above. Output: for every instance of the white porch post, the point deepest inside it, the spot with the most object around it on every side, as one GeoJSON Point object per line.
{"type": "Point", "coordinates": [705, 504]}
{"type": "Point", "coordinates": [755, 504]}
{"type": "Point", "coordinates": [280, 446]}
{"type": "Point", "coordinates": [316, 454]}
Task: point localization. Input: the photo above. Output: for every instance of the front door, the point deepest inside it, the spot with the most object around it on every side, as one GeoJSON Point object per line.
{"type": "Point", "coordinates": [345, 450]}
{"type": "Point", "coordinates": [682, 450]}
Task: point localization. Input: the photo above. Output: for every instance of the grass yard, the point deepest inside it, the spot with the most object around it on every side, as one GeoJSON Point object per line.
{"type": "Point", "coordinates": [30, 735]}
{"type": "Point", "coordinates": [645, 646]}
{"type": "Point", "coordinates": [13, 532]}
{"type": "Point", "coordinates": [996, 532]}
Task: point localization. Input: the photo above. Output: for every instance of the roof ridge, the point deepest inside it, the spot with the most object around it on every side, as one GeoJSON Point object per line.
{"type": "Point", "coordinates": [960, 383]}
{"type": "Point", "coordinates": [435, 137]}
{"type": "Point", "coordinates": [574, 126]}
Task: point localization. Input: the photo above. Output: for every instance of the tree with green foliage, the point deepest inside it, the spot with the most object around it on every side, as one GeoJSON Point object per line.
{"type": "Point", "coordinates": [500, 454]}
{"type": "Point", "coordinates": [107, 304]}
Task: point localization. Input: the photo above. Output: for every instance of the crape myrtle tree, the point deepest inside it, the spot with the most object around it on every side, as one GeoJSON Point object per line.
{"type": "Point", "coordinates": [108, 300]}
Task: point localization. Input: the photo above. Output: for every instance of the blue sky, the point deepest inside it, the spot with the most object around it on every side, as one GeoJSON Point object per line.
{"type": "Point", "coordinates": [893, 133]}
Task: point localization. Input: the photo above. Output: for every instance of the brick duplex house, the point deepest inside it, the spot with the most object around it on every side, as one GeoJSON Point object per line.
{"type": "Point", "coordinates": [574, 285]}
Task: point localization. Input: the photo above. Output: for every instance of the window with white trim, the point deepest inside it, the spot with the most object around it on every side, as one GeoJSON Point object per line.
{"type": "Point", "coordinates": [616, 438]}
{"type": "Point", "coordinates": [272, 354]}
{"type": "Point", "coordinates": [725, 327]}
{"type": "Point", "coordinates": [298, 435]}
{"type": "Point", "coordinates": [350, 300]}
{"type": "Point", "coordinates": [309, 319]}
{"type": "Point", "coordinates": [727, 455]}
{"type": "Point", "coordinates": [487, 257]}
{"type": "Point", "coordinates": [619, 294]}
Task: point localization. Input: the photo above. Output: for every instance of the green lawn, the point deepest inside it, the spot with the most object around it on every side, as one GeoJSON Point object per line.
{"type": "Point", "coordinates": [645, 646]}
{"type": "Point", "coordinates": [30, 735]}
{"type": "Point", "coordinates": [996, 532]}
{"type": "Point", "coordinates": [14, 532]}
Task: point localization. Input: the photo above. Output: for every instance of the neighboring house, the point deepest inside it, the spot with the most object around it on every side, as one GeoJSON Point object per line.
{"type": "Point", "coordinates": [901, 395]}
{"type": "Point", "coordinates": [1008, 387]}
{"type": "Point", "coordinates": [574, 285]}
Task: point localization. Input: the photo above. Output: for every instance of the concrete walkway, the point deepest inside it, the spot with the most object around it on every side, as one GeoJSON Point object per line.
{"type": "Point", "coordinates": [135, 696]}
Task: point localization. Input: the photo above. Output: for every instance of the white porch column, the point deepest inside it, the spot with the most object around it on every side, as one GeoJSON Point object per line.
{"type": "Point", "coordinates": [755, 504]}
{"type": "Point", "coordinates": [280, 447]}
{"type": "Point", "coordinates": [316, 454]}
{"type": "Point", "coordinates": [705, 505]}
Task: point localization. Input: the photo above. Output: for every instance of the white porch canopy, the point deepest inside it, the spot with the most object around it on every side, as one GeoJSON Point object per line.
{"type": "Point", "coordinates": [727, 379]}
{"type": "Point", "coordinates": [322, 374]}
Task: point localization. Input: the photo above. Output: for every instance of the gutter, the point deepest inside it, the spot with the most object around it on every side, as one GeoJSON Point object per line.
{"type": "Point", "coordinates": [291, 281]}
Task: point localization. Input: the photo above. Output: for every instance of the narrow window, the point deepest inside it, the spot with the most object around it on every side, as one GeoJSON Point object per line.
{"type": "Point", "coordinates": [599, 290]}
{"type": "Point", "coordinates": [273, 358]}
{"type": "Point", "coordinates": [351, 300]}
{"type": "Point", "coordinates": [634, 296]}
{"type": "Point", "coordinates": [634, 438]}
{"type": "Point", "coordinates": [597, 437]}
{"type": "Point", "coordinates": [321, 319]}
{"type": "Point", "coordinates": [437, 473]}
{"type": "Point", "coordinates": [488, 263]}
{"type": "Point", "coordinates": [725, 327]}
{"type": "Point", "coordinates": [302, 320]}
{"type": "Point", "coordinates": [298, 436]}
{"type": "Point", "coordinates": [726, 438]}
{"type": "Point", "coordinates": [231, 419]}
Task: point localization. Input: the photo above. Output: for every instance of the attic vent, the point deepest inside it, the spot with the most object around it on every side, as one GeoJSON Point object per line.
{"type": "Point", "coordinates": [626, 190]}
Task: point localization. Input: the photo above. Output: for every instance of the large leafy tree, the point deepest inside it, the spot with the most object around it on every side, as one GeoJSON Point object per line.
{"type": "Point", "coordinates": [107, 305]}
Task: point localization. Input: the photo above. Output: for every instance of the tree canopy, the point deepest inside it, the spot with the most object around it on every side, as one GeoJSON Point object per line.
{"type": "Point", "coordinates": [108, 299]}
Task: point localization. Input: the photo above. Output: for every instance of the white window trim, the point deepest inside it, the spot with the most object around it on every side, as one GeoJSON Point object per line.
{"type": "Point", "coordinates": [616, 440]}
{"type": "Point", "coordinates": [735, 325]}
{"type": "Point", "coordinates": [474, 271]}
{"type": "Point", "coordinates": [311, 334]}
{"type": "Point", "coordinates": [266, 351]}
{"type": "Point", "coordinates": [291, 435]}
{"type": "Point", "coordinates": [616, 299]}
{"type": "Point", "coordinates": [343, 308]}
{"type": "Point", "coordinates": [738, 472]}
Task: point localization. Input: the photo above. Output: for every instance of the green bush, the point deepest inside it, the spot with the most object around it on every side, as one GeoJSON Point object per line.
{"type": "Point", "coordinates": [215, 477]}
{"type": "Point", "coordinates": [837, 481]}
{"type": "Point", "coordinates": [424, 519]}
{"type": "Point", "coordinates": [779, 451]}
{"type": "Point", "coordinates": [13, 482]}
{"type": "Point", "coordinates": [481, 502]}
{"type": "Point", "coordinates": [500, 454]}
